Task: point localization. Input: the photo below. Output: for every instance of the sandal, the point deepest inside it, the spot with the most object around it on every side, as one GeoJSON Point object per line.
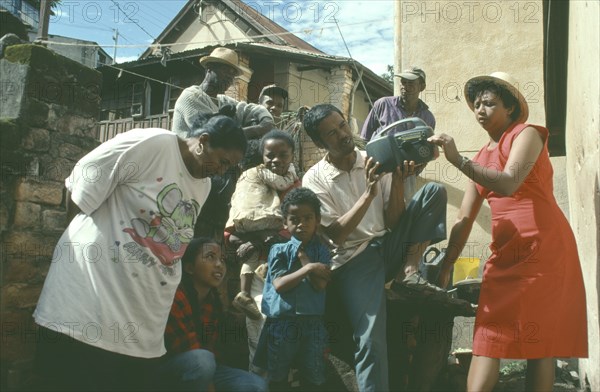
{"type": "Point", "coordinates": [244, 303]}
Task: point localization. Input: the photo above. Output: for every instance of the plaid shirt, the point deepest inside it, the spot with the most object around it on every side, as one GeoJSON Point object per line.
{"type": "Point", "coordinates": [191, 325]}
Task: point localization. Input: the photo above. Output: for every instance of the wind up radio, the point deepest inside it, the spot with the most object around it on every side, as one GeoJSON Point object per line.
{"type": "Point", "coordinates": [404, 140]}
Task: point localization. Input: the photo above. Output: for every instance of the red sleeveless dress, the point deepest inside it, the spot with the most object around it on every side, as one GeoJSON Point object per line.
{"type": "Point", "coordinates": [532, 302]}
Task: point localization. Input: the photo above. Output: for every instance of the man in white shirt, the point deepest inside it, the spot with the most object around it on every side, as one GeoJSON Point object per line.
{"type": "Point", "coordinates": [376, 236]}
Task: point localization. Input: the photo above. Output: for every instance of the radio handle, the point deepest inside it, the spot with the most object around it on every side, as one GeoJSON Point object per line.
{"type": "Point", "coordinates": [414, 120]}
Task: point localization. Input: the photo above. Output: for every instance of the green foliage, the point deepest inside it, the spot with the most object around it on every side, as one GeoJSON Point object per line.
{"type": "Point", "coordinates": [389, 75]}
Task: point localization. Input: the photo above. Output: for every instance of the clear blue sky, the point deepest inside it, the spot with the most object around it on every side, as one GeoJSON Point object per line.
{"type": "Point", "coordinates": [367, 26]}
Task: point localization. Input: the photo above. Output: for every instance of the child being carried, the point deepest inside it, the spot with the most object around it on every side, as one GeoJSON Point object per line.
{"type": "Point", "coordinates": [255, 220]}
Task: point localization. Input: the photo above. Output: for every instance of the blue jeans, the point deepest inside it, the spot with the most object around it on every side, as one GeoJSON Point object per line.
{"type": "Point", "coordinates": [423, 220]}
{"type": "Point", "coordinates": [195, 370]}
{"type": "Point", "coordinates": [359, 284]}
{"type": "Point", "coordinates": [298, 341]}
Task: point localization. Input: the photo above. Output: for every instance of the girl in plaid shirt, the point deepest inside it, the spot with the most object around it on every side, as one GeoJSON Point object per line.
{"type": "Point", "coordinates": [192, 331]}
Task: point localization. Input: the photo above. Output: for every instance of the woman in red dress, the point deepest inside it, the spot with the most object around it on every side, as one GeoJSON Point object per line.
{"type": "Point", "coordinates": [532, 302]}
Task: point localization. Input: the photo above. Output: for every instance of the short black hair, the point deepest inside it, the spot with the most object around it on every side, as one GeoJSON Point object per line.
{"type": "Point", "coordinates": [313, 118]}
{"type": "Point", "coordinates": [223, 130]}
{"type": "Point", "coordinates": [277, 135]}
{"type": "Point", "coordinates": [274, 90]}
{"type": "Point", "coordinates": [299, 196]}
{"type": "Point", "coordinates": [478, 87]}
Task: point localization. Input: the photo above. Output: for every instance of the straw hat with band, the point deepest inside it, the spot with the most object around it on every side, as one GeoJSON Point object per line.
{"type": "Point", "coordinates": [507, 82]}
{"type": "Point", "coordinates": [223, 56]}
{"type": "Point", "coordinates": [273, 88]}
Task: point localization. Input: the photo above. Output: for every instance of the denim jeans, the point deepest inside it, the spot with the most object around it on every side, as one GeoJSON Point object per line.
{"type": "Point", "coordinates": [296, 342]}
{"type": "Point", "coordinates": [423, 220]}
{"type": "Point", "coordinates": [195, 370]}
{"type": "Point", "coordinates": [359, 284]}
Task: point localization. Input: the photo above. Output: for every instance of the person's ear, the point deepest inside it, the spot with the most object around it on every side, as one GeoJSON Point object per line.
{"type": "Point", "coordinates": [423, 85]}
{"type": "Point", "coordinates": [204, 139]}
{"type": "Point", "coordinates": [510, 110]}
{"type": "Point", "coordinates": [318, 219]}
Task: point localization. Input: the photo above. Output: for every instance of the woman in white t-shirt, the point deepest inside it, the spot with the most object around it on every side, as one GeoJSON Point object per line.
{"type": "Point", "coordinates": [106, 299]}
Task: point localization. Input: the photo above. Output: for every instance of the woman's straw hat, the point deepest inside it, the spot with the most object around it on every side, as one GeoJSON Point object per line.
{"type": "Point", "coordinates": [223, 56]}
{"type": "Point", "coordinates": [509, 83]}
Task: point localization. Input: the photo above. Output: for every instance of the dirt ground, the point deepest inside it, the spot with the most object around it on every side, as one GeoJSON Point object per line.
{"type": "Point", "coordinates": [454, 378]}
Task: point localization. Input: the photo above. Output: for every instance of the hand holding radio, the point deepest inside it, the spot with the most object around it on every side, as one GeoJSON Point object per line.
{"type": "Point", "coordinates": [400, 142]}
{"type": "Point", "coordinates": [372, 169]}
{"type": "Point", "coordinates": [405, 170]}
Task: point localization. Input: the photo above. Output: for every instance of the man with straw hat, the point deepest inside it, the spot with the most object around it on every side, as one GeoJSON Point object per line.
{"type": "Point", "coordinates": [222, 66]}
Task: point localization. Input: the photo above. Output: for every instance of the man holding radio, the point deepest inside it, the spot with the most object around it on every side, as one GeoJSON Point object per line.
{"type": "Point", "coordinates": [388, 110]}
{"type": "Point", "coordinates": [375, 236]}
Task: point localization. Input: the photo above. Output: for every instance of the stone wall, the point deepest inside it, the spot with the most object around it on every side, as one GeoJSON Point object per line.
{"type": "Point", "coordinates": [48, 111]}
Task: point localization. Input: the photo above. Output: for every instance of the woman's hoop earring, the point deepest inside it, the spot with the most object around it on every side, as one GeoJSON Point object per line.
{"type": "Point", "coordinates": [199, 149]}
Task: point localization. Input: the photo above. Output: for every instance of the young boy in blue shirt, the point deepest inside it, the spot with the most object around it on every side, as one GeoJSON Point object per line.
{"type": "Point", "coordinates": [294, 297]}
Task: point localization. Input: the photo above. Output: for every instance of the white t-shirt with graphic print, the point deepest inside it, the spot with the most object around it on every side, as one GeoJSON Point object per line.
{"type": "Point", "coordinates": [116, 267]}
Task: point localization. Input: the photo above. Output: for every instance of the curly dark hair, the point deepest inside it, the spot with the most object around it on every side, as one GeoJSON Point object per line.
{"type": "Point", "coordinates": [476, 88]}
{"type": "Point", "coordinates": [299, 196]}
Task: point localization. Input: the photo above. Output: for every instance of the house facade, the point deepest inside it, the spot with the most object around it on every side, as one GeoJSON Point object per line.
{"type": "Point", "coordinates": [143, 92]}
{"type": "Point", "coordinates": [88, 53]}
{"type": "Point", "coordinates": [28, 11]}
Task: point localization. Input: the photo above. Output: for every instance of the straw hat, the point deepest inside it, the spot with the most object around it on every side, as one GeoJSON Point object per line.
{"type": "Point", "coordinates": [509, 83]}
{"type": "Point", "coordinates": [223, 56]}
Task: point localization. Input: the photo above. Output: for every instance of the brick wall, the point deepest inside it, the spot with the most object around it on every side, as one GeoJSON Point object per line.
{"type": "Point", "coordinates": [49, 108]}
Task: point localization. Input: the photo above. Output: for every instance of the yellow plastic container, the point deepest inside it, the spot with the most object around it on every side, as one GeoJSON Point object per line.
{"type": "Point", "coordinates": [466, 268]}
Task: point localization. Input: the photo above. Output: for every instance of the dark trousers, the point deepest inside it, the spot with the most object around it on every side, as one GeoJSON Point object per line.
{"type": "Point", "coordinates": [423, 220]}
{"type": "Point", "coordinates": [66, 364]}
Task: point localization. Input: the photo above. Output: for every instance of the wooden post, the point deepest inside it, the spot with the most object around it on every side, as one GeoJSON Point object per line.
{"type": "Point", "coordinates": [45, 6]}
